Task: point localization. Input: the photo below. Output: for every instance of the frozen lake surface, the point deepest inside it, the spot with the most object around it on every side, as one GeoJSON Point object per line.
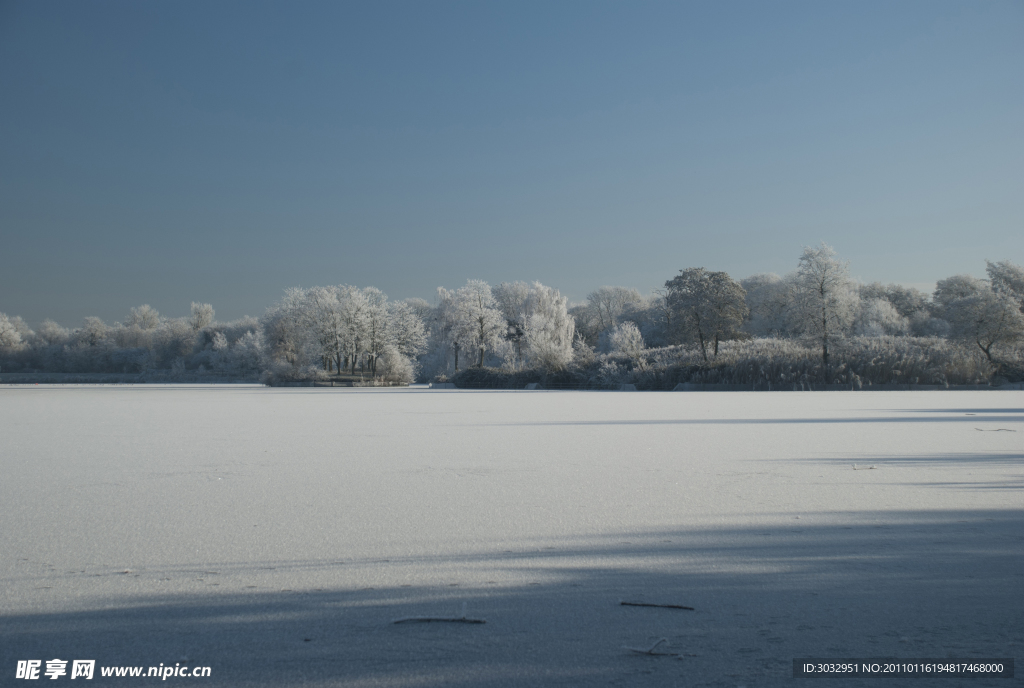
{"type": "Point", "coordinates": [275, 534]}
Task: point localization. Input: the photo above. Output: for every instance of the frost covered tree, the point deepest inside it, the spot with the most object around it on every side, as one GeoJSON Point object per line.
{"type": "Point", "coordinates": [174, 339]}
{"type": "Point", "coordinates": [588, 328]}
{"type": "Point", "coordinates": [707, 307]}
{"type": "Point", "coordinates": [824, 298]}
{"type": "Point", "coordinates": [281, 332]}
{"type": "Point", "coordinates": [375, 325]}
{"type": "Point", "coordinates": [421, 307]}
{"type": "Point", "coordinates": [539, 326]}
{"type": "Point", "coordinates": [339, 328]}
{"type": "Point", "coordinates": [907, 301]}
{"type": "Point", "coordinates": [132, 336]}
{"type": "Point", "coordinates": [479, 323]}
{"type": "Point", "coordinates": [311, 327]}
{"type": "Point", "coordinates": [985, 318]}
{"type": "Point", "coordinates": [246, 356]}
{"type": "Point", "coordinates": [320, 313]}
{"type": "Point", "coordinates": [653, 317]}
{"type": "Point", "coordinates": [768, 298]}
{"type": "Point", "coordinates": [609, 302]}
{"type": "Point", "coordinates": [144, 317]}
{"type": "Point", "coordinates": [910, 304]}
{"type": "Point", "coordinates": [406, 331]}
{"type": "Point", "coordinates": [627, 341]}
{"type": "Point", "coordinates": [172, 345]}
{"type": "Point", "coordinates": [201, 316]}
{"type": "Point", "coordinates": [443, 339]}
{"type": "Point", "coordinates": [1007, 279]}
{"type": "Point", "coordinates": [878, 317]}
{"type": "Point", "coordinates": [550, 329]}
{"type": "Point", "coordinates": [92, 332]}
{"type": "Point", "coordinates": [11, 333]}
{"type": "Point", "coordinates": [513, 299]}
{"type": "Point", "coordinates": [139, 329]}
{"type": "Point", "coordinates": [602, 311]}
{"type": "Point", "coordinates": [354, 316]}
{"type": "Point", "coordinates": [956, 287]}
{"type": "Point", "coordinates": [50, 333]}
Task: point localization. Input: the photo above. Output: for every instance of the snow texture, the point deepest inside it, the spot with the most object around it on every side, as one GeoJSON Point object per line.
{"type": "Point", "coordinates": [276, 534]}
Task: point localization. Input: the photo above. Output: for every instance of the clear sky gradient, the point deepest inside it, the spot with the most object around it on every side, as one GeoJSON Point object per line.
{"type": "Point", "coordinates": [169, 152]}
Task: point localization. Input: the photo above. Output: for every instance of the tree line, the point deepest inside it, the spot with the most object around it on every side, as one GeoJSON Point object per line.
{"type": "Point", "coordinates": [696, 327]}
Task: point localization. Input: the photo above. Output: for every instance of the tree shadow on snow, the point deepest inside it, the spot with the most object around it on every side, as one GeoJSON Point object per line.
{"type": "Point", "coordinates": [963, 410]}
{"type": "Point", "coordinates": [772, 421]}
{"type": "Point", "coordinates": [867, 461]}
{"type": "Point", "coordinates": [908, 584]}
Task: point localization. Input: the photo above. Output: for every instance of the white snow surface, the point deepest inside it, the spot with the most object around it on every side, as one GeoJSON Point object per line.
{"type": "Point", "coordinates": [275, 534]}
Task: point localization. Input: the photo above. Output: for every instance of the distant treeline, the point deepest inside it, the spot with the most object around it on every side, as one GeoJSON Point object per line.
{"type": "Point", "coordinates": [815, 325]}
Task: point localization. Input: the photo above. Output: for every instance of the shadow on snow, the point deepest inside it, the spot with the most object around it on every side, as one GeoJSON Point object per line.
{"type": "Point", "coordinates": [909, 584]}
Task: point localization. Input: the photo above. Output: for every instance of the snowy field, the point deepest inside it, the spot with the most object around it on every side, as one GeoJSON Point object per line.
{"type": "Point", "coordinates": [275, 534]}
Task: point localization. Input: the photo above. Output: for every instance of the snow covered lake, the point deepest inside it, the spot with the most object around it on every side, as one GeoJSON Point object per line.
{"type": "Point", "coordinates": [274, 535]}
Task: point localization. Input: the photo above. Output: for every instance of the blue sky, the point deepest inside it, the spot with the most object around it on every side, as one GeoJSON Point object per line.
{"type": "Point", "coordinates": [222, 151]}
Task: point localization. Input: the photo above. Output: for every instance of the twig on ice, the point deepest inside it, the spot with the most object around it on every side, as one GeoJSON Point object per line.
{"type": "Point", "coordinates": [650, 650]}
{"type": "Point", "coordinates": [439, 619]}
{"type": "Point", "coordinates": [648, 604]}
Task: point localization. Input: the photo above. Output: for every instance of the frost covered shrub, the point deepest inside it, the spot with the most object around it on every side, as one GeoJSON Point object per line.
{"type": "Point", "coordinates": [1011, 367]}
{"type": "Point", "coordinates": [878, 318]}
{"type": "Point", "coordinates": [247, 354]}
{"type": "Point", "coordinates": [234, 349]}
{"type": "Point", "coordinates": [609, 374]}
{"type": "Point", "coordinates": [858, 361]}
{"type": "Point", "coordinates": [651, 315]}
{"type": "Point", "coordinates": [549, 351]}
{"type": "Point", "coordinates": [583, 355]}
{"type": "Point", "coordinates": [786, 364]}
{"type": "Point", "coordinates": [760, 363]}
{"type": "Point", "coordinates": [394, 367]}
{"type": "Point", "coordinates": [494, 378]}
{"type": "Point", "coordinates": [915, 361]}
{"type": "Point", "coordinates": [497, 378]}
{"type": "Point", "coordinates": [278, 372]}
{"type": "Point", "coordinates": [627, 341]}
{"type": "Point", "coordinates": [146, 344]}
